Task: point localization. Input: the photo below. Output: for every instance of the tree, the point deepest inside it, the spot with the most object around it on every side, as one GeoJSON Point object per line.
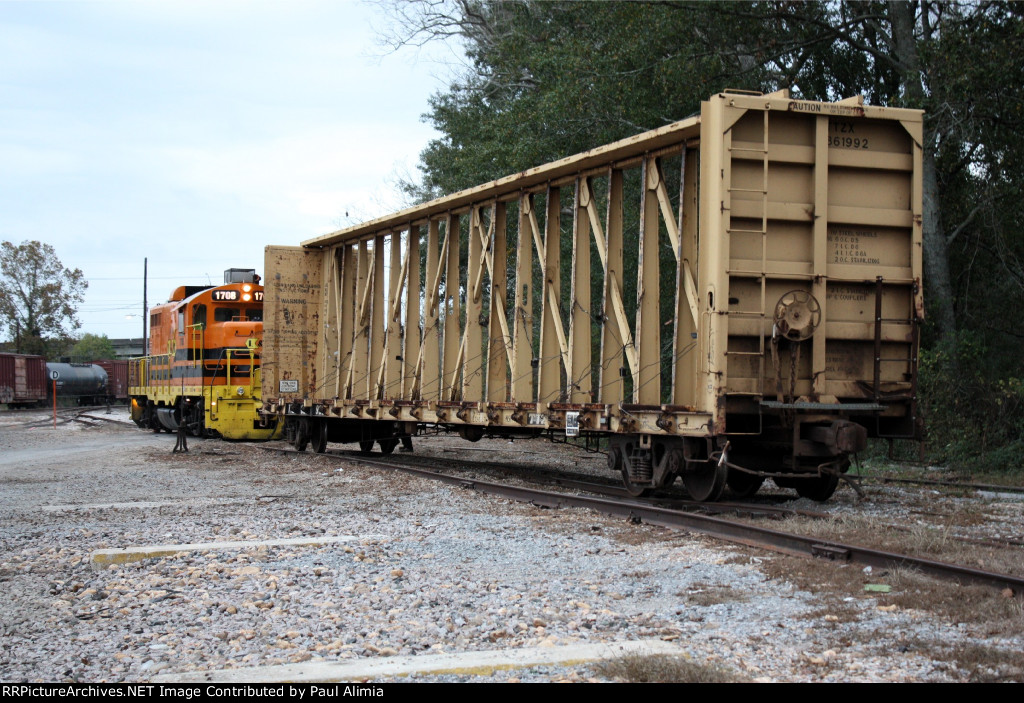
{"type": "Point", "coordinates": [92, 347]}
{"type": "Point", "coordinates": [38, 297]}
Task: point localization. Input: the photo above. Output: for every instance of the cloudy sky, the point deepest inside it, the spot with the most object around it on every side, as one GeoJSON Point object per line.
{"type": "Point", "coordinates": [195, 133]}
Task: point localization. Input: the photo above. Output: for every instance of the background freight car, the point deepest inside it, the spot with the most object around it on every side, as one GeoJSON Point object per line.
{"type": "Point", "coordinates": [117, 379]}
{"type": "Point", "coordinates": [771, 327]}
{"type": "Point", "coordinates": [23, 380]}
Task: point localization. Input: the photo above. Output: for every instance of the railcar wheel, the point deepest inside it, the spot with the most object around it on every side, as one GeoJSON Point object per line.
{"type": "Point", "coordinates": [742, 484]}
{"type": "Point", "coordinates": [387, 445]}
{"type": "Point", "coordinates": [319, 437]}
{"type": "Point", "coordinates": [637, 471]}
{"type": "Point", "coordinates": [366, 447]}
{"type": "Point", "coordinates": [820, 488]}
{"type": "Point", "coordinates": [301, 435]}
{"type": "Point", "coordinates": [617, 462]}
{"type": "Point", "coordinates": [706, 483]}
{"type": "Point", "coordinates": [633, 489]}
{"type": "Point", "coordinates": [614, 458]}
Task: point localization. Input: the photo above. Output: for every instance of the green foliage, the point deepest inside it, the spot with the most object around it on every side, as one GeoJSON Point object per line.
{"type": "Point", "coordinates": [92, 347]}
{"type": "Point", "coordinates": [974, 414]}
{"type": "Point", "coordinates": [550, 79]}
{"type": "Point", "coordinates": [38, 297]}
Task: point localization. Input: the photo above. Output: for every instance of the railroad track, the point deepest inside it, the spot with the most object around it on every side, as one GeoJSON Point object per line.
{"type": "Point", "coordinates": [731, 530]}
{"type": "Point", "coordinates": [759, 506]}
{"type": "Point", "coordinates": [992, 487]}
{"type": "Point", "coordinates": [672, 498]}
{"type": "Point", "coordinates": [608, 488]}
{"type": "Point", "coordinates": [754, 507]}
{"type": "Point", "coordinates": [721, 528]}
{"type": "Point", "coordinates": [68, 415]}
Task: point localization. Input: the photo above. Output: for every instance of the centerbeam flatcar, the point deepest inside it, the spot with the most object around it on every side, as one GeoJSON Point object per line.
{"type": "Point", "coordinates": [203, 370]}
{"type": "Point", "coordinates": [771, 328]}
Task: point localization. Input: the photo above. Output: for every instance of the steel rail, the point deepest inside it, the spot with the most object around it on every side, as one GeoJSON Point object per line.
{"type": "Point", "coordinates": [740, 533]}
{"type": "Point", "coordinates": [989, 487]}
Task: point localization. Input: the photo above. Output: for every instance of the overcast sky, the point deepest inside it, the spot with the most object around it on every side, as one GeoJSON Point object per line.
{"type": "Point", "coordinates": [195, 133]}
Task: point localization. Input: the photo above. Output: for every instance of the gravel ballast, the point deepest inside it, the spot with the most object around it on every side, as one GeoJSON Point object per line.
{"type": "Point", "coordinates": [411, 568]}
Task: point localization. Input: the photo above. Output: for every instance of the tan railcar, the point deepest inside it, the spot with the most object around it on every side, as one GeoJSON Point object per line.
{"type": "Point", "coordinates": [769, 327]}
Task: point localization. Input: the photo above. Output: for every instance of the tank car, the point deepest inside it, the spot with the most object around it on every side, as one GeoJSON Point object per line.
{"type": "Point", "coordinates": [84, 384]}
{"type": "Point", "coordinates": [203, 367]}
{"type": "Point", "coordinates": [770, 329]}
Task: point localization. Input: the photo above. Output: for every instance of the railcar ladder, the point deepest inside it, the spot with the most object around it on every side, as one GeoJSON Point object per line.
{"type": "Point", "coordinates": [761, 314]}
{"type": "Point", "coordinates": [909, 361]}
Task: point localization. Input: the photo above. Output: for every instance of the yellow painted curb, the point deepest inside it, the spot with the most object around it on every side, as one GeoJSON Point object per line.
{"type": "Point", "coordinates": [473, 663]}
{"type": "Point", "coordinates": [102, 558]}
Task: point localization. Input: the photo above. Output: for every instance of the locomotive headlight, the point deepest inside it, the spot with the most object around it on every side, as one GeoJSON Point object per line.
{"type": "Point", "coordinates": [247, 288]}
{"type": "Point", "coordinates": [241, 391]}
{"type": "Point", "coordinates": [246, 296]}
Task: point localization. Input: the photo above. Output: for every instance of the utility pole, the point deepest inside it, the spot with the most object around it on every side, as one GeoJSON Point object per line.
{"type": "Point", "coordinates": [145, 306]}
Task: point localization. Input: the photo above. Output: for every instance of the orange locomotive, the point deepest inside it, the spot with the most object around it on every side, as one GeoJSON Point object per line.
{"type": "Point", "coordinates": [203, 370]}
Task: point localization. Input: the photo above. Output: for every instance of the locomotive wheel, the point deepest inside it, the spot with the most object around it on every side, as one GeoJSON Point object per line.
{"type": "Point", "coordinates": [319, 437]}
{"type": "Point", "coordinates": [192, 416]}
{"type": "Point", "coordinates": [366, 447]}
{"type": "Point", "coordinates": [387, 445]}
{"type": "Point", "coordinates": [743, 485]}
{"type": "Point", "coordinates": [706, 483]}
{"type": "Point", "coordinates": [820, 488]}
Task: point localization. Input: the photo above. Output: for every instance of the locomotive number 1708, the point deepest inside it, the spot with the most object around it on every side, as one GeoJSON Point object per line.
{"type": "Point", "coordinates": [234, 295]}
